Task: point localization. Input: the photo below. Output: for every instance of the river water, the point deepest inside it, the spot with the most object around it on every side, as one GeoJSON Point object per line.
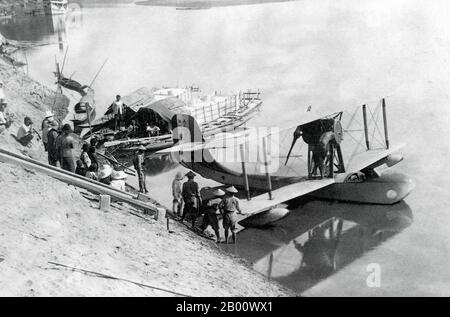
{"type": "Point", "coordinates": [332, 55]}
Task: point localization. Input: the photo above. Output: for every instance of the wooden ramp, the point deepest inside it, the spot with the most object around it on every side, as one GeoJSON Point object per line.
{"type": "Point", "coordinates": [78, 181]}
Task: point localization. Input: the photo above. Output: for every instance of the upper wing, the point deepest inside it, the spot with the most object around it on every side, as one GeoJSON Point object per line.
{"type": "Point", "coordinates": [262, 202]}
{"type": "Point", "coordinates": [234, 139]}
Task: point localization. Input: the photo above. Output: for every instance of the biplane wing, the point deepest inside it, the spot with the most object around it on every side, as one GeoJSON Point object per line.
{"type": "Point", "coordinates": [262, 202]}
{"type": "Point", "coordinates": [365, 159]}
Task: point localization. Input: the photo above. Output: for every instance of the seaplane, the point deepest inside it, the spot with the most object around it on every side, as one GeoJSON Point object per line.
{"type": "Point", "coordinates": [273, 167]}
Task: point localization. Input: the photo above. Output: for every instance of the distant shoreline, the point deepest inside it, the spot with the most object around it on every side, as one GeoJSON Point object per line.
{"type": "Point", "coordinates": [204, 4]}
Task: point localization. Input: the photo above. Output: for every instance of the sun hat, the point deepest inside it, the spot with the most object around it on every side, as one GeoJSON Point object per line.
{"type": "Point", "coordinates": [190, 174]}
{"type": "Point", "coordinates": [105, 171]}
{"type": "Point", "coordinates": [54, 124]}
{"type": "Point", "coordinates": [232, 189]}
{"type": "Point", "coordinates": [179, 176]}
{"type": "Point", "coordinates": [218, 192]}
{"type": "Point", "coordinates": [49, 114]}
{"type": "Point", "coordinates": [67, 127]}
{"type": "Point", "coordinates": [118, 175]}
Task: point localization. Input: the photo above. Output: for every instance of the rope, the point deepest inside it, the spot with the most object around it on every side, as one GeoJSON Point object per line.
{"type": "Point", "coordinates": [101, 275]}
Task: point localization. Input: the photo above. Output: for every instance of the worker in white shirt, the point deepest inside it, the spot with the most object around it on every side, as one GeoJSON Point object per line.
{"type": "Point", "coordinates": [25, 132]}
{"type": "Point", "coordinates": [117, 108]}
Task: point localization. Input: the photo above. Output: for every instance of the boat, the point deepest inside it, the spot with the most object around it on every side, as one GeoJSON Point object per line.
{"type": "Point", "coordinates": [84, 110]}
{"type": "Point", "coordinates": [217, 113]}
{"type": "Point", "coordinates": [55, 7]}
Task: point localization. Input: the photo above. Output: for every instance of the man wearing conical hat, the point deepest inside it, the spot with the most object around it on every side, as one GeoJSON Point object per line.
{"type": "Point", "coordinates": [191, 197]}
{"type": "Point", "coordinates": [45, 127]}
{"type": "Point", "coordinates": [230, 207]}
{"type": "Point", "coordinates": [52, 150]}
{"type": "Point", "coordinates": [211, 211]}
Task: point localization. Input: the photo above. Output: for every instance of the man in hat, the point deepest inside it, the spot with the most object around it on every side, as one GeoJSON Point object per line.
{"type": "Point", "coordinates": [66, 149]}
{"type": "Point", "coordinates": [177, 188]}
{"type": "Point", "coordinates": [117, 108]}
{"type": "Point", "coordinates": [52, 136]}
{"type": "Point", "coordinates": [191, 197]}
{"type": "Point", "coordinates": [118, 180]}
{"type": "Point", "coordinates": [25, 132]}
{"type": "Point", "coordinates": [45, 126]}
{"type": "Point", "coordinates": [138, 163]}
{"type": "Point", "coordinates": [104, 175]}
{"type": "Point", "coordinates": [211, 211]}
{"type": "Point", "coordinates": [230, 206]}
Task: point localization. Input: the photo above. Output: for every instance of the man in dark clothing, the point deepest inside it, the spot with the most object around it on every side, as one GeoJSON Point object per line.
{"type": "Point", "coordinates": [138, 163]}
{"type": "Point", "coordinates": [52, 135]}
{"type": "Point", "coordinates": [191, 197]}
{"type": "Point", "coordinates": [67, 145]}
{"type": "Point", "coordinates": [91, 152]}
{"type": "Point", "coordinates": [212, 209]}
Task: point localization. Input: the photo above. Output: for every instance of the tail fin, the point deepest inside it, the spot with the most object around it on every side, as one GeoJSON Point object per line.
{"type": "Point", "coordinates": [185, 129]}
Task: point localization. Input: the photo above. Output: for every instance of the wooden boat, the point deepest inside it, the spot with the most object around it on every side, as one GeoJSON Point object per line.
{"type": "Point", "coordinates": [216, 112]}
{"type": "Point", "coordinates": [84, 111]}
{"type": "Point", "coordinates": [69, 83]}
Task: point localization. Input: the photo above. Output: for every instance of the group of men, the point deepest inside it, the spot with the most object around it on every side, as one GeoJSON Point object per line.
{"type": "Point", "coordinates": [60, 146]}
{"type": "Point", "coordinates": [118, 110]}
{"type": "Point", "coordinates": [187, 202]}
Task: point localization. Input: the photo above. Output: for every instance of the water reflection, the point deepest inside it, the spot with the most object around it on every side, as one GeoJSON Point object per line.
{"type": "Point", "coordinates": [159, 164]}
{"type": "Point", "coordinates": [319, 238]}
{"type": "Point", "coordinates": [43, 29]}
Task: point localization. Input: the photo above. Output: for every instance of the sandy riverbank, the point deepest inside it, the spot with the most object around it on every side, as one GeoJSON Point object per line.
{"type": "Point", "coordinates": [44, 220]}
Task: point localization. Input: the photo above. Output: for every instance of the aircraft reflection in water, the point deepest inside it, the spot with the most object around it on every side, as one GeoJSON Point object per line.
{"type": "Point", "coordinates": [156, 165]}
{"type": "Point", "coordinates": [311, 244]}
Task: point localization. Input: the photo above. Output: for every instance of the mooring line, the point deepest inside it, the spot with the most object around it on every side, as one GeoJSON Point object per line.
{"type": "Point", "coordinates": [117, 279]}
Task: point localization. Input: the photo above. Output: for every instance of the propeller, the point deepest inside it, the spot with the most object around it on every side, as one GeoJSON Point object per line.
{"type": "Point", "coordinates": [297, 135]}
